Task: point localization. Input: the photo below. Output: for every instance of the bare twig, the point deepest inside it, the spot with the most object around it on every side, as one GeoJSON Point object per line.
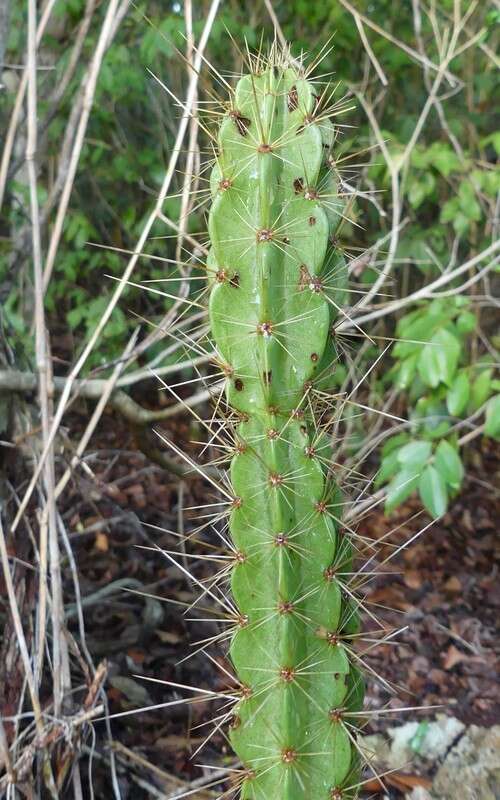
{"type": "Point", "coordinates": [131, 265]}
{"type": "Point", "coordinates": [452, 79]}
{"type": "Point", "coordinates": [88, 99]}
{"type": "Point", "coordinates": [18, 105]}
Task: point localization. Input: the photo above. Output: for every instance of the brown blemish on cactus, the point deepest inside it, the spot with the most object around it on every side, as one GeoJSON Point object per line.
{"type": "Point", "coordinates": [238, 385]}
{"type": "Point", "coordinates": [298, 185]}
{"type": "Point", "coordinates": [289, 755]}
{"type": "Point", "coordinates": [285, 240]}
{"type": "Point", "coordinates": [242, 123]}
{"type": "Point", "coordinates": [312, 220]}
{"type": "Point", "coordinates": [234, 281]}
{"type": "Point", "coordinates": [281, 540]}
{"type": "Point", "coordinates": [287, 674]}
{"type": "Point", "coordinates": [304, 277]}
{"type": "Point", "coordinates": [267, 377]}
{"type": "Point", "coordinates": [293, 99]}
{"type": "Point", "coordinates": [314, 357]}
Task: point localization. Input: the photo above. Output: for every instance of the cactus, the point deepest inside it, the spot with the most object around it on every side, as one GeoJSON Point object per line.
{"type": "Point", "coordinates": [278, 284]}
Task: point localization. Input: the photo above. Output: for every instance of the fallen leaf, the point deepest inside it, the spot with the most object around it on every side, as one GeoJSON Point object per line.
{"type": "Point", "coordinates": [168, 637]}
{"type": "Point", "coordinates": [399, 780]}
{"type": "Point", "coordinates": [453, 584]}
{"type": "Point", "coordinates": [402, 781]}
{"type": "Point", "coordinates": [453, 657]}
{"type": "Point", "coordinates": [413, 578]}
{"type": "Point", "coordinates": [101, 542]}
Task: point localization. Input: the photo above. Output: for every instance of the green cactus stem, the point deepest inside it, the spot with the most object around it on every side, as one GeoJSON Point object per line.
{"type": "Point", "coordinates": [278, 289]}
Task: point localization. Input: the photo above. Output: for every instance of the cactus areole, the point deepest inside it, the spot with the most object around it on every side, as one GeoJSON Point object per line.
{"type": "Point", "coordinates": [278, 288]}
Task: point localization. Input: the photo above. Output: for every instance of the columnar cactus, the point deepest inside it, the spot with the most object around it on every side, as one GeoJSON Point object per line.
{"type": "Point", "coordinates": [279, 281]}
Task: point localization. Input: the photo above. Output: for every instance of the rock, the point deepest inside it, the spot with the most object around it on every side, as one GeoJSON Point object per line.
{"type": "Point", "coordinates": [419, 793]}
{"type": "Point", "coordinates": [376, 748]}
{"type": "Point", "coordinates": [471, 770]}
{"type": "Point", "coordinates": [429, 740]}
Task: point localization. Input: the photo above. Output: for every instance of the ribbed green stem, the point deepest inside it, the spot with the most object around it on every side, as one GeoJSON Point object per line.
{"type": "Point", "coordinates": [271, 312]}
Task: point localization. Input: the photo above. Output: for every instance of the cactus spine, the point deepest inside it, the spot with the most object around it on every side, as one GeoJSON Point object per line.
{"type": "Point", "coordinates": [278, 286]}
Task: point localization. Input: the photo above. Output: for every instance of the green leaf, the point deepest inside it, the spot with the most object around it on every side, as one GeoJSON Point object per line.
{"type": "Point", "coordinates": [492, 426]}
{"type": "Point", "coordinates": [468, 201]}
{"type": "Point", "coordinates": [466, 322]}
{"type": "Point", "coordinates": [75, 316]}
{"type": "Point", "coordinates": [414, 455]}
{"type": "Point", "coordinates": [438, 359]}
{"type": "Point", "coordinates": [421, 188]}
{"type": "Point", "coordinates": [432, 490]}
{"type": "Point", "coordinates": [494, 139]}
{"type": "Point", "coordinates": [388, 467]}
{"type": "Point", "coordinates": [443, 158]}
{"type": "Point", "coordinates": [458, 394]}
{"type": "Point", "coordinates": [406, 372]}
{"type": "Point", "coordinates": [448, 464]}
{"type": "Point", "coordinates": [394, 443]}
{"type": "Point", "coordinates": [481, 389]}
{"type": "Point", "coordinates": [401, 487]}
